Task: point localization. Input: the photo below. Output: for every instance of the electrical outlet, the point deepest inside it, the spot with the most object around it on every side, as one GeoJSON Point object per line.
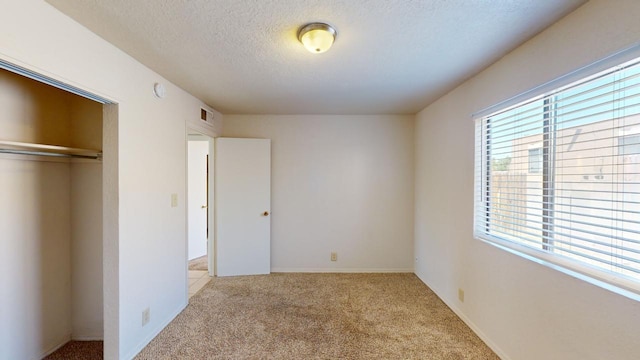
{"type": "Point", "coordinates": [174, 200]}
{"type": "Point", "coordinates": [146, 316]}
{"type": "Point", "coordinates": [461, 295]}
{"type": "Point", "coordinates": [334, 256]}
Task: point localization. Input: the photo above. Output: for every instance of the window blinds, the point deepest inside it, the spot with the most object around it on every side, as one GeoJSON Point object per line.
{"type": "Point", "coordinates": [560, 172]}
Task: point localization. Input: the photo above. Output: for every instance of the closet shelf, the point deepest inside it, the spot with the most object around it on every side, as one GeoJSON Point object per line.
{"type": "Point", "coordinates": [23, 148]}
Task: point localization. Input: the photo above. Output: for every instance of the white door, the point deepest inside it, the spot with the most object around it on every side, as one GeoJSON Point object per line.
{"type": "Point", "coordinates": [243, 206]}
{"type": "Point", "coordinates": [197, 197]}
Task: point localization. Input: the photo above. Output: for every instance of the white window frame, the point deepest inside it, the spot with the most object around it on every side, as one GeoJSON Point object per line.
{"type": "Point", "coordinates": [607, 280]}
{"type": "Point", "coordinates": [535, 160]}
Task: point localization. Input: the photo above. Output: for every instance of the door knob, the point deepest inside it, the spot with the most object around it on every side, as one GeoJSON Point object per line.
{"type": "Point", "coordinates": [204, 206]}
{"type": "Point", "coordinates": [266, 213]}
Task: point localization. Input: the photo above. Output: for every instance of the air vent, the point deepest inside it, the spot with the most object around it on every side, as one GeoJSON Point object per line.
{"type": "Point", "coordinates": [206, 115]}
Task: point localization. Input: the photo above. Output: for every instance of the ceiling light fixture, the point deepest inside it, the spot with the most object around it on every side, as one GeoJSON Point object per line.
{"type": "Point", "coordinates": [317, 37]}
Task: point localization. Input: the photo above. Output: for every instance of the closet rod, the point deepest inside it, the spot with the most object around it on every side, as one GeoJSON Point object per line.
{"type": "Point", "coordinates": [98, 156]}
{"type": "Point", "coordinates": [49, 150]}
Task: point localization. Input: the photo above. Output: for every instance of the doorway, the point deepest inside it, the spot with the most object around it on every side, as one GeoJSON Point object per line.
{"type": "Point", "coordinates": [200, 249]}
{"type": "Point", "coordinates": [54, 226]}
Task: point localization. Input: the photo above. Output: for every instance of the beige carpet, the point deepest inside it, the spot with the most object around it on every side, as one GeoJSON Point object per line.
{"type": "Point", "coordinates": [317, 316]}
{"type": "Point", "coordinates": [199, 263]}
{"type": "Point", "coordinates": [78, 350]}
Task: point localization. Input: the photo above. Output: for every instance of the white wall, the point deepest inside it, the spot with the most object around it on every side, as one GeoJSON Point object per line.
{"type": "Point", "coordinates": [86, 222]}
{"type": "Point", "coordinates": [145, 162]}
{"type": "Point", "coordinates": [86, 251]}
{"type": "Point", "coordinates": [524, 310]}
{"type": "Point", "coordinates": [34, 258]}
{"type": "Point", "coordinates": [339, 183]}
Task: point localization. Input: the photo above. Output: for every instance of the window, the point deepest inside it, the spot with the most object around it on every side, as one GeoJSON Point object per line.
{"type": "Point", "coordinates": [535, 160]}
{"type": "Point", "coordinates": [629, 145]}
{"type": "Point", "coordinates": [555, 178]}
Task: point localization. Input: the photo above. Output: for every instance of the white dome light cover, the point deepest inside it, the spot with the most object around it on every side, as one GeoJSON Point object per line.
{"type": "Point", "coordinates": [317, 37]}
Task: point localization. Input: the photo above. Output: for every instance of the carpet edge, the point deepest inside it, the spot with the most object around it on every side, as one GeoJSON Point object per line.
{"type": "Point", "coordinates": [141, 345]}
{"type": "Point", "coordinates": [492, 345]}
{"type": "Point", "coordinates": [341, 270]}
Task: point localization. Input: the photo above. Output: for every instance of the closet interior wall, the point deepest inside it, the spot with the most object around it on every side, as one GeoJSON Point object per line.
{"type": "Point", "coordinates": [50, 221]}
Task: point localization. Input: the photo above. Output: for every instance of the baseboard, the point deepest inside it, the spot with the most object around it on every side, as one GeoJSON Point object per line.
{"type": "Point", "coordinates": [339, 270]}
{"type": "Point", "coordinates": [88, 338]}
{"type": "Point", "coordinates": [492, 345]}
{"type": "Point", "coordinates": [60, 343]}
{"type": "Point", "coordinates": [131, 354]}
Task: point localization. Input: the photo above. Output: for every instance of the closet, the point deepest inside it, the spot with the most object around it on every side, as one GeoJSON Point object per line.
{"type": "Point", "coordinates": [50, 218]}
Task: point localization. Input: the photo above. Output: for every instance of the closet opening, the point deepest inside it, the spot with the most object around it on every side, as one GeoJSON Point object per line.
{"type": "Point", "coordinates": [51, 217]}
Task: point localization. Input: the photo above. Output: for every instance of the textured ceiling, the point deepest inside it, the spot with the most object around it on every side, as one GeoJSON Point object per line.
{"type": "Point", "coordinates": [390, 56]}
